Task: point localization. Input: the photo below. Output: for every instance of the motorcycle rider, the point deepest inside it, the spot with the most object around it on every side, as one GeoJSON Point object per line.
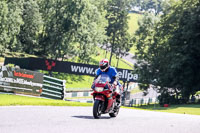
{"type": "Point", "coordinates": [105, 68]}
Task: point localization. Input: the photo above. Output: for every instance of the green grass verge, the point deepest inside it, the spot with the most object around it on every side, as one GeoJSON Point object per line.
{"type": "Point", "coordinates": [82, 82]}
{"type": "Point", "coordinates": [192, 109]}
{"type": "Point", "coordinates": [75, 82]}
{"type": "Point", "coordinates": [14, 100]}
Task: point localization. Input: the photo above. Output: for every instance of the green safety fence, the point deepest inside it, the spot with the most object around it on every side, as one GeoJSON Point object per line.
{"type": "Point", "coordinates": [53, 88]}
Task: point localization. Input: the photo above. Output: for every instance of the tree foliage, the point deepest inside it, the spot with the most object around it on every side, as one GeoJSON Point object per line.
{"type": "Point", "coordinates": [11, 20]}
{"type": "Point", "coordinates": [168, 50]}
{"type": "Point", "coordinates": [28, 36]}
{"type": "Point", "coordinates": [3, 27]}
{"type": "Point", "coordinates": [117, 30]}
{"type": "Point", "coordinates": [72, 27]}
{"type": "Point", "coordinates": [52, 28]}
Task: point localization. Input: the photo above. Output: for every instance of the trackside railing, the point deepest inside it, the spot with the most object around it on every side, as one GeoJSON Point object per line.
{"type": "Point", "coordinates": [139, 101]}
{"type": "Point", "coordinates": [53, 88]}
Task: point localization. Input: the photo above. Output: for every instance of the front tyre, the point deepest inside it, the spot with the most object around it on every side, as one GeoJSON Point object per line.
{"type": "Point", "coordinates": [115, 112]}
{"type": "Point", "coordinates": [97, 109]}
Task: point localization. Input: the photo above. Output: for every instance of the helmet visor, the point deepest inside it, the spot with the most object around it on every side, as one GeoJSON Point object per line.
{"type": "Point", "coordinates": [103, 67]}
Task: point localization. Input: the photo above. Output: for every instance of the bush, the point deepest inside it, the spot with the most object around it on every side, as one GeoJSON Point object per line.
{"type": "Point", "coordinates": [166, 98]}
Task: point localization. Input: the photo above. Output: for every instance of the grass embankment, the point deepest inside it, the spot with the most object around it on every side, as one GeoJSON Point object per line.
{"type": "Point", "coordinates": [193, 109]}
{"type": "Point", "coordinates": [133, 22]}
{"type": "Point", "coordinates": [133, 26]}
{"type": "Point", "coordinates": [102, 54]}
{"type": "Point", "coordinates": [14, 100]}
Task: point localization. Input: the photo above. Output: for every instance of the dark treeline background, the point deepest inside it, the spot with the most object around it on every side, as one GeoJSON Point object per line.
{"type": "Point", "coordinates": [168, 50]}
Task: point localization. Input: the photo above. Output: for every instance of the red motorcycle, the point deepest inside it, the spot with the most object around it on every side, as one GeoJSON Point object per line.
{"type": "Point", "coordinates": [104, 97]}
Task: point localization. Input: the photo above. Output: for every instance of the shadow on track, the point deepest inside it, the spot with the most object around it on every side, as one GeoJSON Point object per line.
{"type": "Point", "coordinates": [89, 117]}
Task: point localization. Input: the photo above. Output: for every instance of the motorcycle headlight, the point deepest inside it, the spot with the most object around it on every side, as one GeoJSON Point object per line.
{"type": "Point", "coordinates": [99, 89]}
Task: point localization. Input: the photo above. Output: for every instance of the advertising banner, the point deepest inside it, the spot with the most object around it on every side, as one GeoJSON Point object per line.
{"type": "Point", "coordinates": [20, 81]}
{"type": "Point", "coordinates": [66, 67]}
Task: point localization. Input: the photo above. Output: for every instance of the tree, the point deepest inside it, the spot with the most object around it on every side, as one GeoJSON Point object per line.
{"type": "Point", "coordinates": [169, 57]}
{"type": "Point", "coordinates": [144, 40]}
{"type": "Point", "coordinates": [53, 15]}
{"type": "Point", "coordinates": [15, 20]}
{"type": "Point", "coordinates": [3, 27]}
{"type": "Point", "coordinates": [28, 36]}
{"type": "Point", "coordinates": [71, 28]}
{"type": "Point", "coordinates": [91, 30]}
{"type": "Point", "coordinates": [11, 20]}
{"type": "Point", "coordinates": [183, 46]}
{"type": "Point", "coordinates": [117, 29]}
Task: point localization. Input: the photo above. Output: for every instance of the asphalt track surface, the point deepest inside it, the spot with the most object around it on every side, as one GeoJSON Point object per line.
{"type": "Point", "coordinates": [49, 119]}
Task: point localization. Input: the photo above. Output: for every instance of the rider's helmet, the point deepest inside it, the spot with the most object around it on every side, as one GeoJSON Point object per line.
{"type": "Point", "coordinates": [104, 65]}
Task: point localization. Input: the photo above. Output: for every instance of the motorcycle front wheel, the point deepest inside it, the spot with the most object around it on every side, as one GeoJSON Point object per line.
{"type": "Point", "coordinates": [97, 109]}
{"type": "Point", "coordinates": [115, 113]}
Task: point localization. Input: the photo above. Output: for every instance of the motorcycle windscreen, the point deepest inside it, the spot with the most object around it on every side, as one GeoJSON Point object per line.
{"type": "Point", "coordinates": [103, 79]}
